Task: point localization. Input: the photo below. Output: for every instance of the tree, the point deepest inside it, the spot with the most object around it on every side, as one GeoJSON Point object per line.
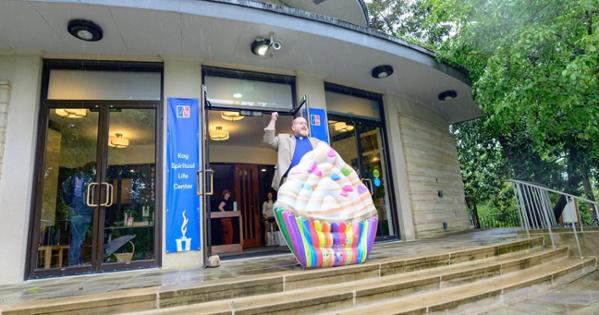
{"type": "Point", "coordinates": [534, 65]}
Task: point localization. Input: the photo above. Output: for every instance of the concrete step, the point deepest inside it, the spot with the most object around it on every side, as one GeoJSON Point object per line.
{"type": "Point", "coordinates": [285, 281]}
{"type": "Point", "coordinates": [282, 282]}
{"type": "Point", "coordinates": [324, 297]}
{"type": "Point", "coordinates": [458, 298]}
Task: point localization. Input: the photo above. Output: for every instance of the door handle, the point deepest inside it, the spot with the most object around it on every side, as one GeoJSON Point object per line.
{"type": "Point", "coordinates": [109, 196]}
{"type": "Point", "coordinates": [211, 172]}
{"type": "Point", "coordinates": [199, 182]}
{"type": "Point", "coordinates": [89, 196]}
{"type": "Point", "coordinates": [369, 185]}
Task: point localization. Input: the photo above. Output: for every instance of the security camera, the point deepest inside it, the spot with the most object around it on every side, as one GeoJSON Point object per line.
{"type": "Point", "coordinates": [276, 45]}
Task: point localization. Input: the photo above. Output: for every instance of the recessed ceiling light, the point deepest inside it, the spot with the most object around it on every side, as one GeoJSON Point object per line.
{"type": "Point", "coordinates": [382, 71]}
{"type": "Point", "coordinates": [85, 30]}
{"type": "Point", "coordinates": [448, 95]}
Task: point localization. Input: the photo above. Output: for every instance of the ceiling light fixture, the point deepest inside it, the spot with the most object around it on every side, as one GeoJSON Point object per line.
{"type": "Point", "coordinates": [382, 71]}
{"type": "Point", "coordinates": [343, 127]}
{"type": "Point", "coordinates": [118, 141]}
{"type": "Point", "coordinates": [85, 30]}
{"type": "Point", "coordinates": [261, 46]}
{"type": "Point", "coordinates": [237, 95]}
{"type": "Point", "coordinates": [71, 112]}
{"type": "Point", "coordinates": [448, 95]}
{"type": "Point", "coordinates": [219, 134]}
{"type": "Point", "coordinates": [231, 116]}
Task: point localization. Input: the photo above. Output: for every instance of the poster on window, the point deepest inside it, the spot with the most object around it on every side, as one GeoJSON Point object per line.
{"type": "Point", "coordinates": [183, 161]}
{"type": "Point", "coordinates": [318, 123]}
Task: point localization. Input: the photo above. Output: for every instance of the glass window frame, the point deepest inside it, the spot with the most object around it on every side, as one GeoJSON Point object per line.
{"type": "Point", "coordinates": [252, 76]}
{"type": "Point", "coordinates": [336, 88]}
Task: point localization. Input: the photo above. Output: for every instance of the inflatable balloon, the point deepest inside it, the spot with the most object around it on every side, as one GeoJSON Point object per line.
{"type": "Point", "coordinates": [325, 212]}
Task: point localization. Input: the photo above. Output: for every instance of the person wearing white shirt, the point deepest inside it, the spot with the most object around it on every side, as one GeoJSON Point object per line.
{"type": "Point", "coordinates": [268, 215]}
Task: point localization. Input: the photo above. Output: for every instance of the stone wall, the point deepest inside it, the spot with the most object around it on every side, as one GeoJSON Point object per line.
{"type": "Point", "coordinates": [18, 141]}
{"type": "Point", "coordinates": [435, 183]}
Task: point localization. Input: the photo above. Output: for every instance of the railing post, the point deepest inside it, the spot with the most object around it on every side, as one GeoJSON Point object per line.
{"type": "Point", "coordinates": [578, 216]}
{"type": "Point", "coordinates": [549, 208]}
{"type": "Point", "coordinates": [523, 218]}
{"type": "Point", "coordinates": [546, 215]}
{"type": "Point", "coordinates": [535, 193]}
{"type": "Point", "coordinates": [576, 234]}
{"type": "Point", "coordinates": [529, 205]}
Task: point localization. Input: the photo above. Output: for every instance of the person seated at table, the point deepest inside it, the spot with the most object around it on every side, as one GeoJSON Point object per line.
{"type": "Point", "coordinates": [226, 204]}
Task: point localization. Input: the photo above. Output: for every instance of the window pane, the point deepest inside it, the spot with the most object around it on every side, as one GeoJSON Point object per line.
{"type": "Point", "coordinates": [129, 221]}
{"type": "Point", "coordinates": [242, 93]}
{"type": "Point", "coordinates": [68, 189]}
{"type": "Point", "coordinates": [355, 106]}
{"type": "Point", "coordinates": [103, 85]}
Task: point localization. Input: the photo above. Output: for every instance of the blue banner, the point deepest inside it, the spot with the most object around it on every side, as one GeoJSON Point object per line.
{"type": "Point", "coordinates": [183, 161]}
{"type": "Point", "coordinates": [319, 124]}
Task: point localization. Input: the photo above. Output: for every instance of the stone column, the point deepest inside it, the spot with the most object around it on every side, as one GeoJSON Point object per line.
{"type": "Point", "coordinates": [182, 78]}
{"type": "Point", "coordinates": [311, 86]}
{"type": "Point", "coordinates": [5, 87]}
{"type": "Point", "coordinates": [399, 168]}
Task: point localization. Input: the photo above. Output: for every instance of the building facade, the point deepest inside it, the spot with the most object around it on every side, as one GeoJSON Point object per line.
{"type": "Point", "coordinates": [88, 94]}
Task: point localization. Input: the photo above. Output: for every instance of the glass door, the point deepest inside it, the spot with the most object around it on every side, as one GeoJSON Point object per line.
{"type": "Point", "coordinates": [128, 220]}
{"type": "Point", "coordinates": [360, 143]}
{"type": "Point", "coordinates": [373, 172]}
{"type": "Point", "coordinates": [68, 198]}
{"type": "Point", "coordinates": [97, 189]}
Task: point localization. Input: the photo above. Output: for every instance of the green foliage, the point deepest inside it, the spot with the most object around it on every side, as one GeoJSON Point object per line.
{"type": "Point", "coordinates": [534, 65]}
{"type": "Point", "coordinates": [483, 164]}
{"type": "Point", "coordinates": [408, 20]}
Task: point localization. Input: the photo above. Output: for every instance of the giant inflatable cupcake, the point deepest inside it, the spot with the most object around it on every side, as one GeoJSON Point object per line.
{"type": "Point", "coordinates": [325, 212]}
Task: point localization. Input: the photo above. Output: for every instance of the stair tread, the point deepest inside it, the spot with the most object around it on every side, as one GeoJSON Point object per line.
{"type": "Point", "coordinates": [463, 267]}
{"type": "Point", "coordinates": [345, 289]}
{"type": "Point", "coordinates": [488, 286]}
{"type": "Point", "coordinates": [478, 255]}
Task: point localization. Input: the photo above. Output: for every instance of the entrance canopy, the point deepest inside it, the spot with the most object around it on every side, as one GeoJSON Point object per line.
{"type": "Point", "coordinates": [220, 33]}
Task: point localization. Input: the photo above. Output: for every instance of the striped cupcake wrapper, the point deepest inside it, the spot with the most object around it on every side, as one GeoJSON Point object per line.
{"type": "Point", "coordinates": [320, 243]}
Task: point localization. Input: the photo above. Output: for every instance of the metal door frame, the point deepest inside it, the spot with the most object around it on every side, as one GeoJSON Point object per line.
{"type": "Point", "coordinates": [101, 160]}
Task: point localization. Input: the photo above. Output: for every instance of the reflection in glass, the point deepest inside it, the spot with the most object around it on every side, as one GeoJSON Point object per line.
{"type": "Point", "coordinates": [129, 219]}
{"type": "Point", "coordinates": [69, 169]}
{"type": "Point", "coordinates": [373, 165]}
{"type": "Point", "coordinates": [360, 144]}
{"type": "Point", "coordinates": [343, 140]}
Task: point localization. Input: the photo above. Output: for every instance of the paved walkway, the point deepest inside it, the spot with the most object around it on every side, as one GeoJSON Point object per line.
{"type": "Point", "coordinates": [110, 282]}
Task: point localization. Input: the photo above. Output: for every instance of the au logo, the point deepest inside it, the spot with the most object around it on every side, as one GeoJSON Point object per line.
{"type": "Point", "coordinates": [315, 120]}
{"type": "Point", "coordinates": [183, 111]}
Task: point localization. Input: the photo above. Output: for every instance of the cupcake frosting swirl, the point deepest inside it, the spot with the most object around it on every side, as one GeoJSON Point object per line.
{"type": "Point", "coordinates": [322, 186]}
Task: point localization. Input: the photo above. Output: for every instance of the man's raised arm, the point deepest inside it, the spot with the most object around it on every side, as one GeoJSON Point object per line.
{"type": "Point", "coordinates": [269, 132]}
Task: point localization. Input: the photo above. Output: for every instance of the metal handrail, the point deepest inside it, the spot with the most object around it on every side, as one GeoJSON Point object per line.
{"type": "Point", "coordinates": [535, 209]}
{"type": "Point", "coordinates": [595, 203]}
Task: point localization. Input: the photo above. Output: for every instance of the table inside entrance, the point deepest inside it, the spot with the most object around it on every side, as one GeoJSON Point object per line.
{"type": "Point", "coordinates": [228, 248]}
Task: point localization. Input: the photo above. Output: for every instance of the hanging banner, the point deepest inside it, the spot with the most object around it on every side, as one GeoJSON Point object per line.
{"type": "Point", "coordinates": [183, 161]}
{"type": "Point", "coordinates": [319, 124]}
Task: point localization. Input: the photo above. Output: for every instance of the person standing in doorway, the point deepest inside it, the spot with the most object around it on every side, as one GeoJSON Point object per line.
{"type": "Point", "coordinates": [290, 147]}
{"type": "Point", "coordinates": [226, 204]}
{"type": "Point", "coordinates": [268, 215]}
